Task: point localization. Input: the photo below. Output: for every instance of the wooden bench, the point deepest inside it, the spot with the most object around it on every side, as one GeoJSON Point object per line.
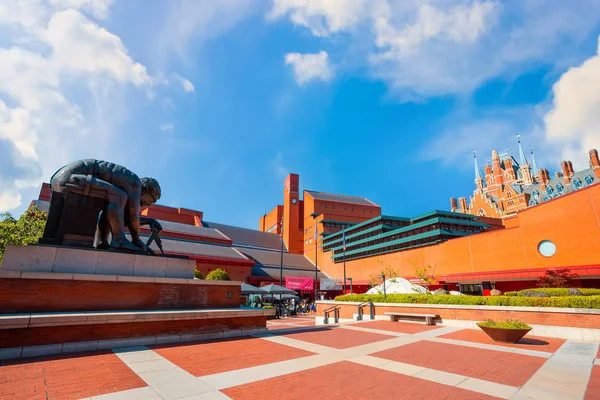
{"type": "Point", "coordinates": [428, 317]}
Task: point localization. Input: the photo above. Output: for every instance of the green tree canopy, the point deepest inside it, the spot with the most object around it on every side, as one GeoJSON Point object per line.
{"type": "Point", "coordinates": [25, 230]}
{"type": "Point", "coordinates": [197, 274]}
{"type": "Point", "coordinates": [218, 275]}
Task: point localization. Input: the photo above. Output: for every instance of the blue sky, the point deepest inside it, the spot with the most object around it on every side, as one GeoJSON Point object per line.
{"type": "Point", "coordinates": [219, 100]}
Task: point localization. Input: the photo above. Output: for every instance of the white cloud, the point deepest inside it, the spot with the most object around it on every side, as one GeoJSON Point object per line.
{"type": "Point", "coordinates": [44, 123]}
{"type": "Point", "coordinates": [434, 48]}
{"type": "Point", "coordinates": [167, 128]}
{"type": "Point", "coordinates": [308, 67]}
{"type": "Point", "coordinates": [573, 122]}
{"type": "Point", "coordinates": [202, 21]}
{"type": "Point", "coordinates": [323, 17]}
{"type": "Point", "coordinates": [186, 84]}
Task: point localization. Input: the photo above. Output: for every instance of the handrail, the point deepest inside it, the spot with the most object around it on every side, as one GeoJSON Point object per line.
{"type": "Point", "coordinates": [336, 314]}
{"type": "Point", "coordinates": [360, 310]}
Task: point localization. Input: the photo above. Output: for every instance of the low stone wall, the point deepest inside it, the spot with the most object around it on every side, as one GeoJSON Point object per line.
{"type": "Point", "coordinates": [22, 292]}
{"type": "Point", "coordinates": [568, 323]}
{"type": "Point", "coordinates": [30, 335]}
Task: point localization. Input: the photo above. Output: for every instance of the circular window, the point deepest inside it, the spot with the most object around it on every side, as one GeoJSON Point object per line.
{"type": "Point", "coordinates": [547, 248]}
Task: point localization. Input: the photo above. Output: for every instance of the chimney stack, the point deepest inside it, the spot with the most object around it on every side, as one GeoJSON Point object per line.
{"type": "Point", "coordinates": [453, 204]}
{"type": "Point", "coordinates": [544, 178]}
{"type": "Point", "coordinates": [565, 172]}
{"type": "Point", "coordinates": [595, 162]}
{"type": "Point", "coordinates": [463, 205]}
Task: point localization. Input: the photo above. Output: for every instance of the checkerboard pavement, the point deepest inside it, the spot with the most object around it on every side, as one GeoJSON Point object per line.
{"type": "Point", "coordinates": [297, 360]}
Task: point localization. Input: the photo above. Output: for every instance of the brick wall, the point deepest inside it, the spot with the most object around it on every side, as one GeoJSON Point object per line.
{"type": "Point", "coordinates": [52, 295]}
{"type": "Point", "coordinates": [10, 338]}
{"type": "Point", "coordinates": [568, 318]}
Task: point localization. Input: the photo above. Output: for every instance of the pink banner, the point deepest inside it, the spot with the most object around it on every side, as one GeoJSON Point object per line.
{"type": "Point", "coordinates": [298, 283]}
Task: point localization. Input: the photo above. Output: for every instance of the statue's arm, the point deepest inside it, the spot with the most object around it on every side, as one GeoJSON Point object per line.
{"type": "Point", "coordinates": [133, 223]}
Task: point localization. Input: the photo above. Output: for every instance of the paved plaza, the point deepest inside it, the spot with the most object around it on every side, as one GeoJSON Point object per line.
{"type": "Point", "coordinates": [298, 360]}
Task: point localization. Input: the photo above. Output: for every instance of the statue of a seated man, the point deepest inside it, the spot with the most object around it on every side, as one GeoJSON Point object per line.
{"type": "Point", "coordinates": [123, 190]}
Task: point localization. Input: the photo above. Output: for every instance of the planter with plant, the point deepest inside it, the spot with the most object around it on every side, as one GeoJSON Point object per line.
{"type": "Point", "coordinates": [508, 331]}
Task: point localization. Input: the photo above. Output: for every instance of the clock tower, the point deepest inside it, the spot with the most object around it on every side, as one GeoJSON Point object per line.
{"type": "Point", "coordinates": [292, 234]}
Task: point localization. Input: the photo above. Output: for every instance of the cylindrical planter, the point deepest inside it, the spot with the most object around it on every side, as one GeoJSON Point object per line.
{"type": "Point", "coordinates": [505, 335]}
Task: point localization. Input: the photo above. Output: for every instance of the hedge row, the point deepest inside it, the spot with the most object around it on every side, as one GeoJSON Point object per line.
{"type": "Point", "coordinates": [555, 292]}
{"type": "Point", "coordinates": [515, 301]}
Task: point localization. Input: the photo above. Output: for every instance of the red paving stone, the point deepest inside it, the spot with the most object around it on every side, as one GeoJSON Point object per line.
{"type": "Point", "coordinates": [593, 388]}
{"type": "Point", "coordinates": [338, 338]}
{"type": "Point", "coordinates": [349, 381]}
{"type": "Point", "coordinates": [67, 376]}
{"type": "Point", "coordinates": [490, 365]}
{"type": "Point", "coordinates": [402, 327]}
{"type": "Point", "coordinates": [529, 342]}
{"type": "Point", "coordinates": [214, 357]}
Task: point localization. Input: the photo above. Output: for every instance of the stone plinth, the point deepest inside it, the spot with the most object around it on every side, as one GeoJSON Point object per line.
{"type": "Point", "coordinates": [22, 292]}
{"type": "Point", "coordinates": [58, 259]}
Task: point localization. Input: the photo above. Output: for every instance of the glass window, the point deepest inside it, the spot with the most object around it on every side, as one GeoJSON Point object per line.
{"type": "Point", "coordinates": [549, 190]}
{"type": "Point", "coordinates": [559, 188]}
{"type": "Point", "coordinates": [577, 183]}
{"type": "Point", "coordinates": [588, 179]}
{"type": "Point", "coordinates": [547, 248]}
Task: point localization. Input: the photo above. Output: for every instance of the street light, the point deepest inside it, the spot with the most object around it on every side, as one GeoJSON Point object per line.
{"type": "Point", "coordinates": [350, 279]}
{"type": "Point", "coordinates": [384, 294]}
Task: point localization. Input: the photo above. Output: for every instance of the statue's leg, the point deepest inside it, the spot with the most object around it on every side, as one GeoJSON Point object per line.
{"type": "Point", "coordinates": [112, 213]}
{"type": "Point", "coordinates": [104, 228]}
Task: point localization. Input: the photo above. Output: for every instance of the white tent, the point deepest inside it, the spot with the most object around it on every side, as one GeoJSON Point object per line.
{"type": "Point", "coordinates": [398, 286]}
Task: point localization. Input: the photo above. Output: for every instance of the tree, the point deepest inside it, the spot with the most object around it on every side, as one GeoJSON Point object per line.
{"type": "Point", "coordinates": [218, 275]}
{"type": "Point", "coordinates": [25, 230]}
{"type": "Point", "coordinates": [197, 274]}
{"type": "Point", "coordinates": [385, 270]}
{"type": "Point", "coordinates": [557, 278]}
{"type": "Point", "coordinates": [426, 275]}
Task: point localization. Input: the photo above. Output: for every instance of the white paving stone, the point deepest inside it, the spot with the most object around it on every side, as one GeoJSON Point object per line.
{"type": "Point", "coordinates": [565, 375]}
{"type": "Point", "coordinates": [505, 349]}
{"type": "Point", "coordinates": [150, 366]}
{"type": "Point", "coordinates": [182, 388]}
{"type": "Point", "coordinates": [164, 376]}
{"type": "Point", "coordinates": [130, 355]}
{"type": "Point", "coordinates": [146, 393]}
{"type": "Point", "coordinates": [489, 388]}
{"type": "Point", "coordinates": [216, 395]}
{"type": "Point", "coordinates": [442, 377]}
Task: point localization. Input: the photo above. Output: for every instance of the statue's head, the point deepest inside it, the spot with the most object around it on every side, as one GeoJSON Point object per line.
{"type": "Point", "coordinates": [150, 191]}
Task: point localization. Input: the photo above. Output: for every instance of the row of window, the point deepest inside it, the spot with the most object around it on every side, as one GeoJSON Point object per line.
{"type": "Point", "coordinates": [395, 247]}
{"type": "Point", "coordinates": [346, 208]}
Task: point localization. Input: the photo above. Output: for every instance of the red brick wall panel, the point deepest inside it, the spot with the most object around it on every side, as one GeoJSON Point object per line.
{"type": "Point", "coordinates": [46, 295]}
{"type": "Point", "coordinates": [82, 333]}
{"type": "Point", "coordinates": [591, 321]}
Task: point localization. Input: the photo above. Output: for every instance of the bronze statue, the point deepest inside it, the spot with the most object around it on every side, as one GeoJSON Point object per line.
{"type": "Point", "coordinates": [124, 193]}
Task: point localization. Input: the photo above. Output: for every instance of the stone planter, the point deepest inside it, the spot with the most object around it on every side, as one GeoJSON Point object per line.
{"type": "Point", "coordinates": [505, 335]}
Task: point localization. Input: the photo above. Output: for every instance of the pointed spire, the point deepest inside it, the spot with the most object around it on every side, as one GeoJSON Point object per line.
{"type": "Point", "coordinates": [534, 166]}
{"type": "Point", "coordinates": [523, 160]}
{"type": "Point", "coordinates": [477, 172]}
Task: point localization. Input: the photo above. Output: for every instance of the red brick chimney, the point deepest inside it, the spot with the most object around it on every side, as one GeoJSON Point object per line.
{"type": "Point", "coordinates": [463, 204]}
{"type": "Point", "coordinates": [595, 162]}
{"type": "Point", "coordinates": [565, 171]}
{"type": "Point", "coordinates": [453, 204]}
{"type": "Point", "coordinates": [544, 178]}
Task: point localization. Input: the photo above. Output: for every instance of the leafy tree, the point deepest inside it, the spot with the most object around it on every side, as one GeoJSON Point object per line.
{"type": "Point", "coordinates": [426, 275]}
{"type": "Point", "coordinates": [25, 230]}
{"type": "Point", "coordinates": [557, 278]}
{"type": "Point", "coordinates": [386, 270]}
{"type": "Point", "coordinates": [197, 274]}
{"type": "Point", "coordinates": [218, 275]}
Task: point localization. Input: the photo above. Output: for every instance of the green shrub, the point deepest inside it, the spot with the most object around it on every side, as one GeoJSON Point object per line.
{"type": "Point", "coordinates": [218, 275]}
{"type": "Point", "coordinates": [511, 293]}
{"type": "Point", "coordinates": [508, 324]}
{"type": "Point", "coordinates": [197, 274]}
{"type": "Point", "coordinates": [557, 292]}
{"type": "Point", "coordinates": [513, 301]}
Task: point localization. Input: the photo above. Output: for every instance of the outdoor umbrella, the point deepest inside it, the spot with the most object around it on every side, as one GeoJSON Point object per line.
{"type": "Point", "coordinates": [276, 289]}
{"type": "Point", "coordinates": [249, 289]}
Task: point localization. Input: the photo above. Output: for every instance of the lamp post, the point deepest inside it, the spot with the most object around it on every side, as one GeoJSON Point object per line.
{"type": "Point", "coordinates": [316, 237]}
{"type": "Point", "coordinates": [384, 294]}
{"type": "Point", "coordinates": [350, 279]}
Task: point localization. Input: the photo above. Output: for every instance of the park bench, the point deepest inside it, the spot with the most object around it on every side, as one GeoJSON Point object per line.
{"type": "Point", "coordinates": [394, 316]}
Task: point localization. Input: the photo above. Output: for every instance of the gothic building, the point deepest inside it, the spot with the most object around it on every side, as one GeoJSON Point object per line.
{"type": "Point", "coordinates": [508, 185]}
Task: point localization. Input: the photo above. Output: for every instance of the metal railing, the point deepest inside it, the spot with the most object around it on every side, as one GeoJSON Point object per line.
{"type": "Point", "coordinates": [336, 314]}
{"type": "Point", "coordinates": [360, 310]}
